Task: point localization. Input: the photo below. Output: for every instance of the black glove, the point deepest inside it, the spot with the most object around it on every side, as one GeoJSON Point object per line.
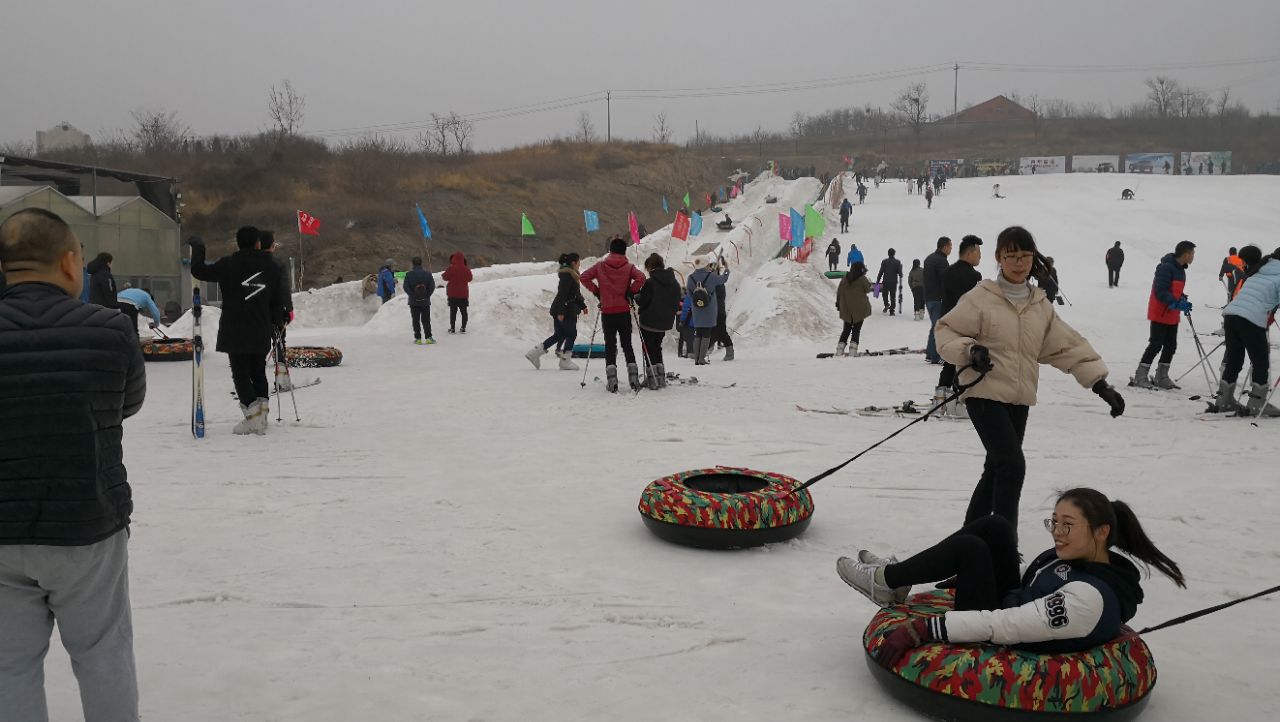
{"type": "Point", "coordinates": [1111, 396]}
{"type": "Point", "coordinates": [195, 241]}
{"type": "Point", "coordinates": [980, 358]}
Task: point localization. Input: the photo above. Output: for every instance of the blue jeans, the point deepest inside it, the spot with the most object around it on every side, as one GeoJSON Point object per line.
{"type": "Point", "coordinates": [566, 332]}
{"type": "Point", "coordinates": [935, 312]}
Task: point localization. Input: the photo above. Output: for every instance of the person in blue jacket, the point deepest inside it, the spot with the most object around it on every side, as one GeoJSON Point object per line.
{"type": "Point", "coordinates": [387, 280]}
{"type": "Point", "coordinates": [855, 256]}
{"type": "Point", "coordinates": [1245, 321]}
{"type": "Point", "coordinates": [701, 286]}
{"type": "Point", "coordinates": [1072, 597]}
{"type": "Point", "coordinates": [136, 300]}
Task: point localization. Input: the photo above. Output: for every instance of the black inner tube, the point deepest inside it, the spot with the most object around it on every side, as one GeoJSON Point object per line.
{"type": "Point", "coordinates": [163, 341]}
{"type": "Point", "coordinates": [726, 483]}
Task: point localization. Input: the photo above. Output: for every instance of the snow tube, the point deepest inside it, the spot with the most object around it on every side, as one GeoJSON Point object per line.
{"type": "Point", "coordinates": [963, 682]}
{"type": "Point", "coordinates": [834, 274]}
{"type": "Point", "coordinates": [588, 350]}
{"type": "Point", "coordinates": [167, 349]}
{"type": "Point", "coordinates": [312, 356]}
{"type": "Point", "coordinates": [725, 508]}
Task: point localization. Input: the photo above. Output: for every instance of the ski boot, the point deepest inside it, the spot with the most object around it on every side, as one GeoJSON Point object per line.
{"type": "Point", "coordinates": [1225, 402]}
{"type": "Point", "coordinates": [651, 377]}
{"type": "Point", "coordinates": [535, 355]}
{"type": "Point", "coordinates": [264, 417]}
{"type": "Point", "coordinates": [851, 350]}
{"type": "Point", "coordinates": [566, 364]}
{"type": "Point", "coordinates": [660, 371]}
{"type": "Point", "coordinates": [940, 395]}
{"type": "Point", "coordinates": [1258, 405]}
{"type": "Point", "coordinates": [282, 381]}
{"type": "Point", "coordinates": [840, 349]}
{"type": "Point", "coordinates": [633, 377]}
{"type": "Point", "coordinates": [1162, 379]}
{"type": "Point", "coordinates": [728, 353]}
{"type": "Point", "coordinates": [611, 379]}
{"type": "Point", "coordinates": [245, 426]}
{"type": "Point", "coordinates": [1141, 377]}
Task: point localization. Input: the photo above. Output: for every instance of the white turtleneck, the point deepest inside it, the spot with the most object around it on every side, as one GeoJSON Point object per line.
{"type": "Point", "coordinates": [1017, 293]}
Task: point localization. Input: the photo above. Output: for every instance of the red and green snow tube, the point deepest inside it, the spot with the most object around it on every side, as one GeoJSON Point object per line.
{"type": "Point", "coordinates": [725, 508]}
{"type": "Point", "coordinates": [985, 682]}
{"type": "Point", "coordinates": [167, 349]}
{"type": "Point", "coordinates": [313, 356]}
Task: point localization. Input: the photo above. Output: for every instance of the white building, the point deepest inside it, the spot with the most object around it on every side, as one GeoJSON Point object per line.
{"type": "Point", "coordinates": [60, 137]}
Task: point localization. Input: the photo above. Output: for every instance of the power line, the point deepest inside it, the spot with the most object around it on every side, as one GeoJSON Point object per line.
{"type": "Point", "coordinates": [1134, 68]}
{"type": "Point", "coordinates": [511, 112]}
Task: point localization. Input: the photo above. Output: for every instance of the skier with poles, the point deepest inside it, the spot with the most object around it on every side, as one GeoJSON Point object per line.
{"type": "Point", "coordinates": [251, 315]}
{"type": "Point", "coordinates": [565, 309]}
{"type": "Point", "coordinates": [1007, 328]}
{"type": "Point", "coordinates": [1073, 596]}
{"type": "Point", "coordinates": [656, 306]}
{"type": "Point", "coordinates": [1246, 319]}
{"type": "Point", "coordinates": [614, 281]}
{"type": "Point", "coordinates": [1164, 310]}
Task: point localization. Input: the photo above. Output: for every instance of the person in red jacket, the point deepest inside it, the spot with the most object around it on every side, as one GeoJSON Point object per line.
{"type": "Point", "coordinates": [614, 281]}
{"type": "Point", "coordinates": [1165, 307]}
{"type": "Point", "coordinates": [457, 279]}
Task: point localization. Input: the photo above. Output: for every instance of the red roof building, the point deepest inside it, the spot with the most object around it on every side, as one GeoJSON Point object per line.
{"type": "Point", "coordinates": [997, 110]}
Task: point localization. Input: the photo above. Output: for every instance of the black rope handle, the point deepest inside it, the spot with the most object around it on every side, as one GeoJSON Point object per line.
{"type": "Point", "coordinates": [1209, 610]}
{"type": "Point", "coordinates": [959, 389]}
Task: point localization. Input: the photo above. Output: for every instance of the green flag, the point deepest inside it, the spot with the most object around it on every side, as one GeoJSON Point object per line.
{"type": "Point", "coordinates": [686, 200]}
{"type": "Point", "coordinates": [526, 228]}
{"type": "Point", "coordinates": [814, 224]}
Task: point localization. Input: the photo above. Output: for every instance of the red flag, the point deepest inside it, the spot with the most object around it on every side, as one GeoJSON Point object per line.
{"type": "Point", "coordinates": [847, 161]}
{"type": "Point", "coordinates": [634, 225]}
{"type": "Point", "coordinates": [308, 225]}
{"type": "Point", "coordinates": [709, 201]}
{"type": "Point", "coordinates": [680, 228]}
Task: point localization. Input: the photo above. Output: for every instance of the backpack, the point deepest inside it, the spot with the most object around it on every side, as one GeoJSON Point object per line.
{"type": "Point", "coordinates": [420, 292]}
{"type": "Point", "coordinates": [701, 296]}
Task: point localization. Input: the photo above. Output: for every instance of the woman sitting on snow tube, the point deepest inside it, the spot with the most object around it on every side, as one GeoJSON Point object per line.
{"type": "Point", "coordinates": [1072, 598]}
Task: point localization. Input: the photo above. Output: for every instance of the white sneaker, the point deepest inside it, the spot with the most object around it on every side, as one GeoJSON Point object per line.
{"type": "Point", "coordinates": [862, 576]}
{"type": "Point", "coordinates": [535, 355]}
{"type": "Point", "coordinates": [900, 594]}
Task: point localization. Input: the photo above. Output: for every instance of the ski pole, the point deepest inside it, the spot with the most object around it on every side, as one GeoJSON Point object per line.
{"type": "Point", "coordinates": [1203, 359]}
{"type": "Point", "coordinates": [644, 351]}
{"type": "Point", "coordinates": [590, 348]}
{"type": "Point", "coordinates": [1200, 348]}
{"type": "Point", "coordinates": [275, 375]}
{"type": "Point", "coordinates": [293, 393]}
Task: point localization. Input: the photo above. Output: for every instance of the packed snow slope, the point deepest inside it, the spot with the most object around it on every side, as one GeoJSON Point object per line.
{"type": "Point", "coordinates": [448, 534]}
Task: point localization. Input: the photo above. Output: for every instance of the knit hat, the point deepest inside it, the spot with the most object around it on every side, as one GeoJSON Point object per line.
{"type": "Point", "coordinates": [699, 262]}
{"type": "Point", "coordinates": [389, 262]}
{"type": "Point", "coordinates": [617, 245]}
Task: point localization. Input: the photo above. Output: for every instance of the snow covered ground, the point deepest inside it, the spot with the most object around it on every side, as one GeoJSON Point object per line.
{"type": "Point", "coordinates": [450, 535]}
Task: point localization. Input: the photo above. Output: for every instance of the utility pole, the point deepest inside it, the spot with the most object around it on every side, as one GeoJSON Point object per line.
{"type": "Point", "coordinates": [697, 137]}
{"type": "Point", "coordinates": [608, 116]}
{"type": "Point", "coordinates": [955, 100]}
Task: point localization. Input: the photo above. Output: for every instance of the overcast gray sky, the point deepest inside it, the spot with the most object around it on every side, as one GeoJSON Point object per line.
{"type": "Point", "coordinates": [376, 62]}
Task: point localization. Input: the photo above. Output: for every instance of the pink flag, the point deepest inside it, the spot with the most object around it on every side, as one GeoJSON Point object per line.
{"type": "Point", "coordinates": [733, 192]}
{"type": "Point", "coordinates": [784, 226]}
{"type": "Point", "coordinates": [635, 227]}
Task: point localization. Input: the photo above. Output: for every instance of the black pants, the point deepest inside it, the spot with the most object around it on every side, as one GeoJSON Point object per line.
{"type": "Point", "coordinates": [917, 297]}
{"type": "Point", "coordinates": [833, 262]}
{"type": "Point", "coordinates": [983, 556]}
{"type": "Point", "coordinates": [852, 331]}
{"type": "Point", "coordinates": [421, 316]}
{"type": "Point", "coordinates": [652, 344]}
{"type": "Point", "coordinates": [1244, 337]}
{"type": "Point", "coordinates": [720, 334]}
{"type": "Point", "coordinates": [1163, 336]}
{"type": "Point", "coordinates": [844, 224]}
{"type": "Point", "coordinates": [456, 305]}
{"type": "Point", "coordinates": [131, 311]}
{"type": "Point", "coordinates": [1113, 277]}
{"type": "Point", "coordinates": [249, 375]}
{"type": "Point", "coordinates": [684, 343]}
{"type": "Point", "coordinates": [1001, 428]}
{"type": "Point", "coordinates": [617, 328]}
{"type": "Point", "coordinates": [947, 376]}
{"type": "Point", "coordinates": [890, 295]}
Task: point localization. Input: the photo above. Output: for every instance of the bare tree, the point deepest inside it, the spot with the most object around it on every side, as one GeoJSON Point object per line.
{"type": "Point", "coordinates": [158, 130]}
{"type": "Point", "coordinates": [797, 125]}
{"type": "Point", "coordinates": [18, 147]}
{"type": "Point", "coordinates": [1193, 102]}
{"type": "Point", "coordinates": [1163, 93]}
{"type": "Point", "coordinates": [913, 105]}
{"type": "Point", "coordinates": [440, 133]}
{"type": "Point", "coordinates": [461, 129]}
{"type": "Point", "coordinates": [586, 130]}
{"type": "Point", "coordinates": [287, 108]}
{"type": "Point", "coordinates": [758, 136]}
{"type": "Point", "coordinates": [661, 130]}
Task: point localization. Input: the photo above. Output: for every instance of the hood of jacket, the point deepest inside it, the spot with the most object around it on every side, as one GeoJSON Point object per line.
{"type": "Point", "coordinates": [666, 278]}
{"type": "Point", "coordinates": [1123, 578]}
{"type": "Point", "coordinates": [457, 259]}
{"type": "Point", "coordinates": [95, 265]}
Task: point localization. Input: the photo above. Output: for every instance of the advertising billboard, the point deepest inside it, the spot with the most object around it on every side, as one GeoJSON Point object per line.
{"type": "Point", "coordinates": [1206, 162]}
{"type": "Point", "coordinates": [1095, 164]}
{"type": "Point", "coordinates": [1036, 164]}
{"type": "Point", "coordinates": [1149, 163]}
{"type": "Point", "coordinates": [950, 167]}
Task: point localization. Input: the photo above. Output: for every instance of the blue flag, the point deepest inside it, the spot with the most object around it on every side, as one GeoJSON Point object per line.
{"type": "Point", "coordinates": [592, 220]}
{"type": "Point", "coordinates": [665, 207]}
{"type": "Point", "coordinates": [724, 195]}
{"type": "Point", "coordinates": [422, 221]}
{"type": "Point", "coordinates": [695, 224]}
{"type": "Point", "coordinates": [797, 228]}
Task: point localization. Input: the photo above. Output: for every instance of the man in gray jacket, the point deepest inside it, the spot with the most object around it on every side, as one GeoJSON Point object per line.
{"type": "Point", "coordinates": [64, 498]}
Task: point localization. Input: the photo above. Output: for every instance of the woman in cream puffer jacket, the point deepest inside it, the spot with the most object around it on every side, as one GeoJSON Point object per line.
{"type": "Point", "coordinates": [1010, 328]}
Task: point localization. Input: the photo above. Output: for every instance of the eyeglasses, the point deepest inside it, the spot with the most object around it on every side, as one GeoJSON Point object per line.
{"type": "Point", "coordinates": [1019, 258]}
{"type": "Point", "coordinates": [1052, 526]}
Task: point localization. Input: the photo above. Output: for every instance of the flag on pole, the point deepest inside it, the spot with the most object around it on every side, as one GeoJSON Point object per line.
{"type": "Point", "coordinates": [733, 192]}
{"type": "Point", "coordinates": [686, 200]}
{"type": "Point", "coordinates": [846, 160]}
{"type": "Point", "coordinates": [666, 208]}
{"type": "Point", "coordinates": [526, 227]}
{"type": "Point", "coordinates": [680, 228]}
{"type": "Point", "coordinates": [797, 229]}
{"type": "Point", "coordinates": [695, 224]}
{"type": "Point", "coordinates": [634, 226]}
{"type": "Point", "coordinates": [721, 194]}
{"type": "Point", "coordinates": [592, 220]}
{"type": "Point", "coordinates": [814, 224]}
{"type": "Point", "coordinates": [784, 226]}
{"type": "Point", "coordinates": [709, 201]}
{"type": "Point", "coordinates": [308, 225]}
{"type": "Point", "coordinates": [422, 221]}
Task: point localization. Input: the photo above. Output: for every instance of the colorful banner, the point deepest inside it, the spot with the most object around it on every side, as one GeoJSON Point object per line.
{"type": "Point", "coordinates": [1095, 164]}
{"type": "Point", "coordinates": [1206, 162]}
{"type": "Point", "coordinates": [592, 220]}
{"type": "Point", "coordinates": [949, 167]}
{"type": "Point", "coordinates": [680, 228]}
{"type": "Point", "coordinates": [695, 224]}
{"type": "Point", "coordinates": [686, 200]}
{"type": "Point", "coordinates": [526, 226]}
{"type": "Point", "coordinates": [1038, 164]}
{"type": "Point", "coordinates": [797, 229]}
{"type": "Point", "coordinates": [666, 208]}
{"type": "Point", "coordinates": [784, 226]}
{"type": "Point", "coordinates": [1149, 163]}
{"type": "Point", "coordinates": [814, 224]}
{"type": "Point", "coordinates": [992, 166]}
{"type": "Point", "coordinates": [422, 222]}
{"type": "Point", "coordinates": [634, 226]}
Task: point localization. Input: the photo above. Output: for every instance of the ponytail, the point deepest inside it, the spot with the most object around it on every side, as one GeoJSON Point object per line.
{"type": "Point", "coordinates": [1126, 534]}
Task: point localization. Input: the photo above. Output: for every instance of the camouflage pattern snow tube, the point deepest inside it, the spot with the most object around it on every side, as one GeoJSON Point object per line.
{"type": "Point", "coordinates": [725, 508]}
{"type": "Point", "coordinates": [313, 356]}
{"type": "Point", "coordinates": [988, 682]}
{"type": "Point", "coordinates": [167, 349]}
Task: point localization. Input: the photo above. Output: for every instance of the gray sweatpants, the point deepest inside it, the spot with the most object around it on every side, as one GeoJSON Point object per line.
{"type": "Point", "coordinates": [86, 590]}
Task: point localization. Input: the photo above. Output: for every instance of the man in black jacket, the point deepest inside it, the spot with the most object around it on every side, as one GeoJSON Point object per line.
{"type": "Point", "coordinates": [889, 278]}
{"type": "Point", "coordinates": [102, 285]}
{"type": "Point", "coordinates": [418, 286]}
{"type": "Point", "coordinates": [1115, 259]}
{"type": "Point", "coordinates": [656, 306]}
{"type": "Point", "coordinates": [720, 334]}
{"type": "Point", "coordinates": [252, 312]}
{"type": "Point", "coordinates": [70, 373]}
{"type": "Point", "coordinates": [935, 264]}
{"type": "Point", "coordinates": [959, 279]}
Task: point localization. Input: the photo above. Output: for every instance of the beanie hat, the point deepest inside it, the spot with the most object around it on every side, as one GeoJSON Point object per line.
{"type": "Point", "coordinates": [389, 262]}
{"type": "Point", "coordinates": [617, 245]}
{"type": "Point", "coordinates": [699, 262]}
